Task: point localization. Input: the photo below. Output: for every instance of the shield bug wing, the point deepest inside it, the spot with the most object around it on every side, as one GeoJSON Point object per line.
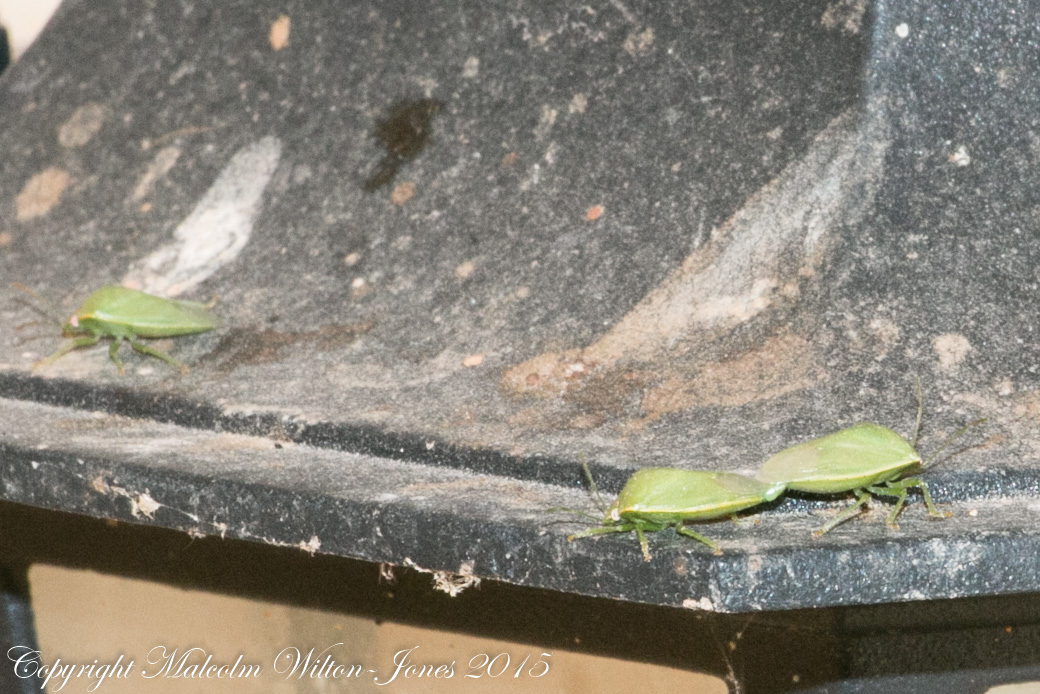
{"type": "Point", "coordinates": [674, 495]}
{"type": "Point", "coordinates": [849, 459]}
{"type": "Point", "coordinates": [657, 498]}
{"type": "Point", "coordinates": [145, 315]}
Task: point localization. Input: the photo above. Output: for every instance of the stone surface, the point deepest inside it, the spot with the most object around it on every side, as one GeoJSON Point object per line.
{"type": "Point", "coordinates": [673, 234]}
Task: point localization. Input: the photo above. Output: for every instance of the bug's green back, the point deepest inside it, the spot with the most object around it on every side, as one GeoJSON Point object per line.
{"type": "Point", "coordinates": [852, 458]}
{"type": "Point", "coordinates": [115, 310]}
{"type": "Point", "coordinates": [671, 495]}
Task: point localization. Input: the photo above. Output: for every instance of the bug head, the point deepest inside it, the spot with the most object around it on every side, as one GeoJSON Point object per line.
{"type": "Point", "coordinates": [71, 327]}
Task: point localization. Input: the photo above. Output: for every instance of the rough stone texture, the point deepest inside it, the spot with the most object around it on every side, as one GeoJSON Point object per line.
{"type": "Point", "coordinates": [640, 233]}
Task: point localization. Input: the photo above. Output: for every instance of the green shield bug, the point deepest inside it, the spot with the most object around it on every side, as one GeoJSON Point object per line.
{"type": "Point", "coordinates": [127, 314]}
{"type": "Point", "coordinates": [865, 459]}
{"type": "Point", "coordinates": [657, 498]}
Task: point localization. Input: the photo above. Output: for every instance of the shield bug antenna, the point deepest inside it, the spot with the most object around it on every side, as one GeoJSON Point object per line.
{"type": "Point", "coordinates": [595, 492]}
{"type": "Point", "coordinates": [927, 462]}
{"type": "Point", "coordinates": [592, 484]}
{"type": "Point", "coordinates": [51, 313]}
{"type": "Point", "coordinates": [931, 461]}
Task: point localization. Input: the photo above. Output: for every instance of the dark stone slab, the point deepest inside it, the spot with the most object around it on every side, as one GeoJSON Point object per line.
{"type": "Point", "coordinates": [639, 233]}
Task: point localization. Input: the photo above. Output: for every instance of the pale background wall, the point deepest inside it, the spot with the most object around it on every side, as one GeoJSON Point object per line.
{"type": "Point", "coordinates": [82, 616]}
{"type": "Point", "coordinates": [24, 19]}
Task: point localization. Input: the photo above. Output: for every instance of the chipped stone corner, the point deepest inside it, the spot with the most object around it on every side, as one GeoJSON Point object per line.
{"type": "Point", "coordinates": [144, 505]}
{"type": "Point", "coordinates": [386, 573]}
{"type": "Point", "coordinates": [311, 546]}
{"type": "Point", "coordinates": [703, 604]}
{"type": "Point", "coordinates": [446, 581]}
{"type": "Point", "coordinates": [141, 503]}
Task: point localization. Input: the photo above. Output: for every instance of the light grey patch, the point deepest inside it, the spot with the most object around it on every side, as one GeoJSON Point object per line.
{"type": "Point", "coordinates": [751, 262]}
{"type": "Point", "coordinates": [161, 164]}
{"type": "Point", "coordinates": [217, 229]}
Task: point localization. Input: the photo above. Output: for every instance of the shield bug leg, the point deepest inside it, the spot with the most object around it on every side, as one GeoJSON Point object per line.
{"type": "Point", "coordinates": [897, 489]}
{"type": "Point", "coordinates": [85, 341]}
{"type": "Point", "coordinates": [932, 510]}
{"type": "Point", "coordinates": [644, 546]}
{"type": "Point", "coordinates": [683, 530]}
{"type": "Point", "coordinates": [602, 530]}
{"type": "Point", "coordinates": [113, 354]}
{"type": "Point", "coordinates": [928, 503]}
{"type": "Point", "coordinates": [151, 351]}
{"type": "Point", "coordinates": [638, 528]}
{"type": "Point", "coordinates": [623, 528]}
{"type": "Point", "coordinates": [743, 522]}
{"type": "Point", "coordinates": [862, 496]}
{"type": "Point", "coordinates": [566, 509]}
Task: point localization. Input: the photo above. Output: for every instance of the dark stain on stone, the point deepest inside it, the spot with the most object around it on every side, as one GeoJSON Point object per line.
{"type": "Point", "coordinates": [247, 346]}
{"type": "Point", "coordinates": [403, 133]}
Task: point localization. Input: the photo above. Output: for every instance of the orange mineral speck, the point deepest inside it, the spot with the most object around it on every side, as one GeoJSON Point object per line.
{"type": "Point", "coordinates": [279, 35]}
{"type": "Point", "coordinates": [40, 193]}
{"type": "Point", "coordinates": [402, 193]}
{"type": "Point", "coordinates": [594, 212]}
